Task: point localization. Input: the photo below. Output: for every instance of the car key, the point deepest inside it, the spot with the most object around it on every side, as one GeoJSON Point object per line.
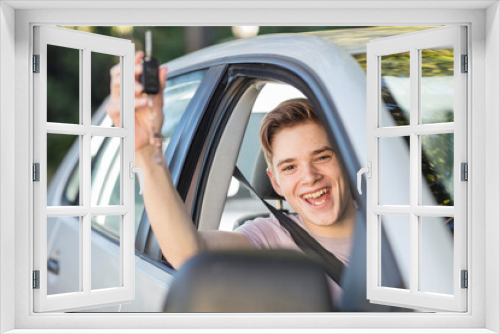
{"type": "Point", "coordinates": [151, 84]}
{"type": "Point", "coordinates": [149, 78]}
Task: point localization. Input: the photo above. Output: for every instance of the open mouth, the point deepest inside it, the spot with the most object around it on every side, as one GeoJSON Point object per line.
{"type": "Point", "coordinates": [318, 197]}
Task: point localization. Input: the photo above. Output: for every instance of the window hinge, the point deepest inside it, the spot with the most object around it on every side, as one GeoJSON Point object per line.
{"type": "Point", "coordinates": [465, 64]}
{"type": "Point", "coordinates": [36, 63]}
{"type": "Point", "coordinates": [36, 279]}
{"type": "Point", "coordinates": [464, 171]}
{"type": "Point", "coordinates": [465, 279]}
{"type": "Point", "coordinates": [36, 172]}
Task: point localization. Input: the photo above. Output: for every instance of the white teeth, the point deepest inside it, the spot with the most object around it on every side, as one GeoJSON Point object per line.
{"type": "Point", "coordinates": [319, 202]}
{"type": "Point", "coordinates": [316, 194]}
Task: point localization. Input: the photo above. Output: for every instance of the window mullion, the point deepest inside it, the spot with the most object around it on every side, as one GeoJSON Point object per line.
{"type": "Point", "coordinates": [85, 243]}
{"type": "Point", "coordinates": [414, 171]}
{"type": "Point", "coordinates": [85, 248]}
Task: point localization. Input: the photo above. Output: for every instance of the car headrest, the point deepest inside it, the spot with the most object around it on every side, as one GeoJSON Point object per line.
{"type": "Point", "coordinates": [260, 179]}
{"type": "Point", "coordinates": [250, 281]}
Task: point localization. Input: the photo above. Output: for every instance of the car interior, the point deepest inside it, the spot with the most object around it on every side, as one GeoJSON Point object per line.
{"type": "Point", "coordinates": [263, 190]}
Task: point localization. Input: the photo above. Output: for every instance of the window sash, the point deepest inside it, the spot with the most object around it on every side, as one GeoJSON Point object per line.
{"type": "Point", "coordinates": [413, 42]}
{"type": "Point", "coordinates": [86, 297]}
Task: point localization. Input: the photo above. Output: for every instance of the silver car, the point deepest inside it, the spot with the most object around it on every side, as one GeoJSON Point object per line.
{"type": "Point", "coordinates": [214, 101]}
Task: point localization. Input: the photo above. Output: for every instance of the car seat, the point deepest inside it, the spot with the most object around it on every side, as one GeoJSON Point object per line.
{"type": "Point", "coordinates": [263, 187]}
{"type": "Point", "coordinates": [250, 281]}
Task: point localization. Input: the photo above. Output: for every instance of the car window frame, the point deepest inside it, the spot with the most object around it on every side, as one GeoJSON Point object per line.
{"type": "Point", "coordinates": [175, 153]}
{"type": "Point", "coordinates": [307, 83]}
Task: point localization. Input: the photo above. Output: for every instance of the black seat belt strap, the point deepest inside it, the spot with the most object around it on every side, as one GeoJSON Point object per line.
{"type": "Point", "coordinates": [332, 265]}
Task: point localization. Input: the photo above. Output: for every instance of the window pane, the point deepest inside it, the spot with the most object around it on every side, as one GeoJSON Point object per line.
{"type": "Point", "coordinates": [436, 252]}
{"type": "Point", "coordinates": [106, 255]}
{"type": "Point", "coordinates": [437, 85]}
{"type": "Point", "coordinates": [395, 88]}
{"type": "Point", "coordinates": [63, 85]}
{"type": "Point", "coordinates": [395, 171]}
{"type": "Point", "coordinates": [58, 147]}
{"type": "Point", "coordinates": [437, 169]}
{"type": "Point", "coordinates": [105, 170]}
{"type": "Point", "coordinates": [100, 78]}
{"type": "Point", "coordinates": [63, 250]}
{"type": "Point", "coordinates": [72, 191]}
{"type": "Point", "coordinates": [397, 231]}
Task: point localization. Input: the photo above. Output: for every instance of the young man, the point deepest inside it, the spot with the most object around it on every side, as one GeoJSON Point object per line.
{"type": "Point", "coordinates": [302, 167]}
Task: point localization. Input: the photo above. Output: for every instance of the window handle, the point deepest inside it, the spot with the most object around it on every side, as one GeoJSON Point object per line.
{"type": "Point", "coordinates": [368, 171]}
{"type": "Point", "coordinates": [140, 175]}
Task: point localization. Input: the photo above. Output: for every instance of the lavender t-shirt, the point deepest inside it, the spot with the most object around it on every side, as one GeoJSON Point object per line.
{"type": "Point", "coordinates": [267, 233]}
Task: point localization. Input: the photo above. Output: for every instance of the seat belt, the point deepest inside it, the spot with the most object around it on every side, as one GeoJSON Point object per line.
{"type": "Point", "coordinates": [332, 265]}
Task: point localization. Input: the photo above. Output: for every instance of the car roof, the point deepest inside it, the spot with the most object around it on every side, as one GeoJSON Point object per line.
{"type": "Point", "coordinates": [327, 54]}
{"type": "Point", "coordinates": [352, 40]}
{"type": "Point", "coordinates": [340, 76]}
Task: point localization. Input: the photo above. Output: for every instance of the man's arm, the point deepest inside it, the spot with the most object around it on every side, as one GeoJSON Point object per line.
{"type": "Point", "coordinates": [177, 236]}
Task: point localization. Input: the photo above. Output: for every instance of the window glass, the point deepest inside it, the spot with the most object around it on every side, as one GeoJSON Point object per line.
{"type": "Point", "coordinates": [100, 84]}
{"type": "Point", "coordinates": [436, 95]}
{"type": "Point", "coordinates": [177, 94]}
{"type": "Point", "coordinates": [58, 147]}
{"type": "Point", "coordinates": [395, 88]}
{"type": "Point", "coordinates": [436, 254]}
{"type": "Point", "coordinates": [63, 86]}
{"type": "Point", "coordinates": [395, 171]}
{"type": "Point", "coordinates": [398, 226]}
{"type": "Point", "coordinates": [63, 267]}
{"type": "Point", "coordinates": [105, 260]}
{"type": "Point", "coordinates": [106, 158]}
{"type": "Point", "coordinates": [105, 171]}
{"type": "Point", "coordinates": [437, 168]}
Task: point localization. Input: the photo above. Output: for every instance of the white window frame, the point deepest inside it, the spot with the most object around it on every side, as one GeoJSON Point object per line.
{"type": "Point", "coordinates": [16, 21]}
{"type": "Point", "coordinates": [85, 43]}
{"type": "Point", "coordinates": [412, 296]}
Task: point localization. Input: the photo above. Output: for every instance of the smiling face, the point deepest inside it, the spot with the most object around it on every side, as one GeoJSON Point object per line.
{"type": "Point", "coordinates": [306, 171]}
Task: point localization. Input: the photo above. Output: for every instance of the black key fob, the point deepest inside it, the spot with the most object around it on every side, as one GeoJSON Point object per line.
{"type": "Point", "coordinates": [149, 77]}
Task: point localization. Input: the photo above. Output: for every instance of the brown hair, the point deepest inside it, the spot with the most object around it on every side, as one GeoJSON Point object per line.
{"type": "Point", "coordinates": [287, 114]}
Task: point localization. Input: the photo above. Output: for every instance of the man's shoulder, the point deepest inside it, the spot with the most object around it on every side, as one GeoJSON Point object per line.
{"type": "Point", "coordinates": [259, 223]}
{"type": "Point", "coordinates": [265, 232]}
{"type": "Point", "coordinates": [270, 221]}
